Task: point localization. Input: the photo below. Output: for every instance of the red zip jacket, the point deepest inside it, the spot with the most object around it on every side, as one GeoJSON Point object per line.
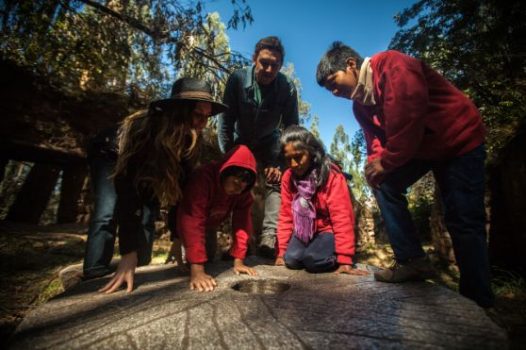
{"type": "Point", "coordinates": [334, 214]}
{"type": "Point", "coordinates": [206, 205]}
{"type": "Point", "coordinates": [418, 114]}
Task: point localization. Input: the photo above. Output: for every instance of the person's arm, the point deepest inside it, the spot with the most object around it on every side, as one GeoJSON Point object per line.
{"type": "Point", "coordinates": [342, 217]}
{"type": "Point", "coordinates": [191, 219]}
{"type": "Point", "coordinates": [128, 214]}
{"type": "Point", "coordinates": [285, 222]}
{"type": "Point", "coordinates": [372, 131]}
{"type": "Point", "coordinates": [227, 119]}
{"type": "Point", "coordinates": [241, 225]}
{"type": "Point", "coordinates": [242, 228]}
{"type": "Point", "coordinates": [406, 102]}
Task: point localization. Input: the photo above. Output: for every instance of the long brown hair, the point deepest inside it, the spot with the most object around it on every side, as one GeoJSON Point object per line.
{"type": "Point", "coordinates": [153, 145]}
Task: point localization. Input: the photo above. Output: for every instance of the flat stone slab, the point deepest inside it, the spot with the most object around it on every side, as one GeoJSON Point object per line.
{"type": "Point", "coordinates": [279, 308]}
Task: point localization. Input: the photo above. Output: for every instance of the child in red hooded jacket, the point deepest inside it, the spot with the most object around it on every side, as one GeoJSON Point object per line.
{"type": "Point", "coordinates": [213, 192]}
{"type": "Point", "coordinates": [316, 220]}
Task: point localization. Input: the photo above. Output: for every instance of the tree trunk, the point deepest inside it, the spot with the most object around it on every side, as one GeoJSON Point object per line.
{"type": "Point", "coordinates": [73, 179]}
{"type": "Point", "coordinates": [33, 198]}
{"type": "Point", "coordinates": [364, 225]}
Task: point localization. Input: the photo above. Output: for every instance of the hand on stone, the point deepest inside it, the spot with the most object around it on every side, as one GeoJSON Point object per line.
{"type": "Point", "coordinates": [240, 267]}
{"type": "Point", "coordinates": [124, 274]}
{"type": "Point", "coordinates": [272, 175]}
{"type": "Point", "coordinates": [200, 280]}
{"type": "Point", "coordinates": [348, 269]}
{"type": "Point", "coordinates": [279, 261]}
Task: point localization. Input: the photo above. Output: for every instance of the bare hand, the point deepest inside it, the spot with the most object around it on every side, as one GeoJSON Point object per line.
{"type": "Point", "coordinates": [349, 270]}
{"type": "Point", "coordinates": [374, 172]}
{"type": "Point", "coordinates": [200, 280]}
{"type": "Point", "coordinates": [240, 267]}
{"type": "Point", "coordinates": [124, 274]}
{"type": "Point", "coordinates": [272, 175]}
{"type": "Point", "coordinates": [279, 261]}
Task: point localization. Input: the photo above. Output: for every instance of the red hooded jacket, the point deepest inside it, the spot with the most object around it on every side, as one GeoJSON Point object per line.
{"type": "Point", "coordinates": [206, 205]}
{"type": "Point", "coordinates": [334, 213]}
{"type": "Point", "coordinates": [418, 114]}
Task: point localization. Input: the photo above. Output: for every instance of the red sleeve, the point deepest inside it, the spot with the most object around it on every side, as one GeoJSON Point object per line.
{"type": "Point", "coordinates": [285, 224]}
{"type": "Point", "coordinates": [366, 118]}
{"type": "Point", "coordinates": [342, 217]}
{"type": "Point", "coordinates": [374, 146]}
{"type": "Point", "coordinates": [191, 217]}
{"type": "Point", "coordinates": [405, 102]}
{"type": "Point", "coordinates": [242, 225]}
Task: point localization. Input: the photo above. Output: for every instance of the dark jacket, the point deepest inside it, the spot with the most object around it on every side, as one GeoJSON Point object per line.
{"type": "Point", "coordinates": [104, 145]}
{"type": "Point", "coordinates": [257, 125]}
{"type": "Point", "coordinates": [131, 202]}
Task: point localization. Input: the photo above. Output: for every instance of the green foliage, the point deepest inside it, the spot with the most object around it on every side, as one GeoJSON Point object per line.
{"type": "Point", "coordinates": [420, 201]}
{"type": "Point", "coordinates": [508, 284]}
{"type": "Point", "coordinates": [351, 157]}
{"type": "Point", "coordinates": [479, 46]}
{"type": "Point", "coordinates": [120, 46]}
{"type": "Point", "coordinates": [315, 127]}
{"type": "Point", "coordinates": [303, 106]}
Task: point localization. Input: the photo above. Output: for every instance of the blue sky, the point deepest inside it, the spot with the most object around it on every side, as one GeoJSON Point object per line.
{"type": "Point", "coordinates": [307, 28]}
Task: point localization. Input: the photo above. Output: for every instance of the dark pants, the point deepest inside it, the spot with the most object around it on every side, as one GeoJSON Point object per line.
{"type": "Point", "coordinates": [102, 227]}
{"type": "Point", "coordinates": [267, 153]}
{"type": "Point", "coordinates": [316, 256]}
{"type": "Point", "coordinates": [461, 183]}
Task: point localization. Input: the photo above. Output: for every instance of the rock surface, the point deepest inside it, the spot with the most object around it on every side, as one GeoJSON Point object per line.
{"type": "Point", "coordinates": [279, 308]}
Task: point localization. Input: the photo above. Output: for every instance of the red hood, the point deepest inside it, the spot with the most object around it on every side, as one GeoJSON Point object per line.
{"type": "Point", "coordinates": [239, 156]}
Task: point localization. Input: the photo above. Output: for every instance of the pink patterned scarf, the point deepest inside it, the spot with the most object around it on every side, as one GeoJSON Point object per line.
{"type": "Point", "coordinates": [303, 210]}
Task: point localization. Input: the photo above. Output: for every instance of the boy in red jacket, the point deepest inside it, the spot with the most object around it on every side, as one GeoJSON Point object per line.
{"type": "Point", "coordinates": [213, 192]}
{"type": "Point", "coordinates": [415, 121]}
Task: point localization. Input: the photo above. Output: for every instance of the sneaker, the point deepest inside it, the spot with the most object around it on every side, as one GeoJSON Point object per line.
{"type": "Point", "coordinates": [267, 246]}
{"type": "Point", "coordinates": [417, 269]}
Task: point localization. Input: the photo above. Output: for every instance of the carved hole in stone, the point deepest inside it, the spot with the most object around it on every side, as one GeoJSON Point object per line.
{"type": "Point", "coordinates": [261, 287]}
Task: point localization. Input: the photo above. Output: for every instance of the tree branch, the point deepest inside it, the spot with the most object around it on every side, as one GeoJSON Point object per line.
{"type": "Point", "coordinates": [133, 22]}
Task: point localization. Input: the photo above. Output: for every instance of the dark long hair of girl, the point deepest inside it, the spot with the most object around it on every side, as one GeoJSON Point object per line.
{"type": "Point", "coordinates": [303, 139]}
{"type": "Point", "coordinates": [153, 145]}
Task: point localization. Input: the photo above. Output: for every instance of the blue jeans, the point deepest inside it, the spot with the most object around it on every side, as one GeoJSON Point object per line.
{"type": "Point", "coordinates": [102, 227]}
{"type": "Point", "coordinates": [316, 256]}
{"type": "Point", "coordinates": [461, 183]}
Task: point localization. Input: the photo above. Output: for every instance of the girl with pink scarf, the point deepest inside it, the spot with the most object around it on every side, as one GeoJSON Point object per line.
{"type": "Point", "coordinates": [316, 220]}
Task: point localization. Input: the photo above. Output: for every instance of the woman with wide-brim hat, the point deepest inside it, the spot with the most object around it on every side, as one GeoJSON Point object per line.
{"type": "Point", "coordinates": [157, 149]}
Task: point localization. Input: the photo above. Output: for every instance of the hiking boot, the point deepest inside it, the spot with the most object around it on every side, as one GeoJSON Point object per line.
{"type": "Point", "coordinates": [417, 269]}
{"type": "Point", "coordinates": [267, 246]}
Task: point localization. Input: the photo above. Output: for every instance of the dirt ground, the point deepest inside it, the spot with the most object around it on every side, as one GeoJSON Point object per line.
{"type": "Point", "coordinates": [31, 258]}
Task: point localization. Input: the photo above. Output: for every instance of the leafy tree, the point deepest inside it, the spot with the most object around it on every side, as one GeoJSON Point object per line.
{"type": "Point", "coordinates": [350, 156]}
{"type": "Point", "coordinates": [358, 153]}
{"type": "Point", "coordinates": [315, 126]}
{"type": "Point", "coordinates": [117, 45]}
{"type": "Point", "coordinates": [340, 147]}
{"type": "Point", "coordinates": [303, 106]}
{"type": "Point", "coordinates": [478, 45]}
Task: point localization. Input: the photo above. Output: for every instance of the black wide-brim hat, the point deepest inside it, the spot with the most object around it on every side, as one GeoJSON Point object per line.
{"type": "Point", "coordinates": [189, 89]}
